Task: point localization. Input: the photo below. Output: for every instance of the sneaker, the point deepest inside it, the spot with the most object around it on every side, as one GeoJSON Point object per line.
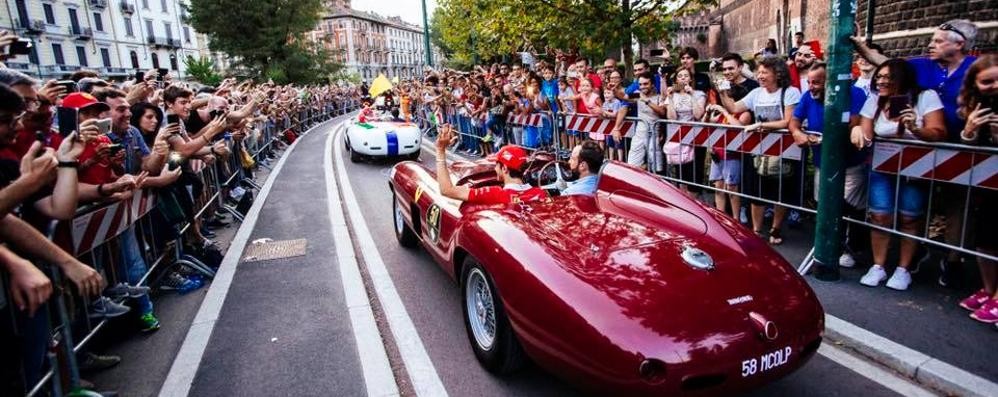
{"type": "Point", "coordinates": [217, 223]}
{"type": "Point", "coordinates": [793, 219]}
{"type": "Point", "coordinates": [149, 322]}
{"type": "Point", "coordinates": [874, 276]}
{"type": "Point", "coordinates": [175, 282]}
{"type": "Point", "coordinates": [104, 307]}
{"type": "Point", "coordinates": [976, 300]}
{"type": "Point", "coordinates": [988, 313]}
{"type": "Point", "coordinates": [743, 216]}
{"type": "Point", "coordinates": [94, 362]}
{"type": "Point", "coordinates": [949, 273]}
{"type": "Point", "coordinates": [846, 260]}
{"type": "Point", "coordinates": [900, 280]}
{"type": "Point", "coordinates": [208, 233]}
{"type": "Point", "coordinates": [123, 290]}
{"type": "Point", "coordinates": [769, 213]}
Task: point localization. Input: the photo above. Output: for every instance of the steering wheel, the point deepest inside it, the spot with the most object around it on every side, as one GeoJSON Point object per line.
{"type": "Point", "coordinates": [552, 172]}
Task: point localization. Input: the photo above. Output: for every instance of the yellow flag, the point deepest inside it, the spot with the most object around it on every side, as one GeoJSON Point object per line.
{"type": "Point", "coordinates": [379, 85]}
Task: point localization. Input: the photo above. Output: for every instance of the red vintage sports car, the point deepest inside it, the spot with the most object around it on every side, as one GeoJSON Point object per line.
{"type": "Point", "coordinates": [638, 290]}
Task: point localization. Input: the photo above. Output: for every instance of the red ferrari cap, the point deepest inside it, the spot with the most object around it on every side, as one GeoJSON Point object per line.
{"type": "Point", "coordinates": [80, 100]}
{"type": "Point", "coordinates": [512, 157]}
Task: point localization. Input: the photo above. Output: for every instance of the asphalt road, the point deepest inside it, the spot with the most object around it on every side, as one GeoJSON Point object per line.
{"type": "Point", "coordinates": [433, 302]}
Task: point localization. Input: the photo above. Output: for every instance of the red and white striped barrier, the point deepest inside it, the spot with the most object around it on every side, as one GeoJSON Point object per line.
{"type": "Point", "coordinates": [595, 125]}
{"type": "Point", "coordinates": [944, 165]}
{"type": "Point", "coordinates": [735, 140]}
{"type": "Point", "coordinates": [532, 120]}
{"type": "Point", "coordinates": [92, 229]}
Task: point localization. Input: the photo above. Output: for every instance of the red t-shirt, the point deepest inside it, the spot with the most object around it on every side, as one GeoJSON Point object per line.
{"type": "Point", "coordinates": [26, 138]}
{"type": "Point", "coordinates": [505, 195]}
{"type": "Point", "coordinates": [100, 172]}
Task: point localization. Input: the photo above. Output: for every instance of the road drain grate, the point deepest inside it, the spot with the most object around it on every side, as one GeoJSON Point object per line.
{"type": "Point", "coordinates": [266, 249]}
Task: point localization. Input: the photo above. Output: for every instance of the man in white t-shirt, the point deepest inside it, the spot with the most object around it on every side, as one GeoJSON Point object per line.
{"type": "Point", "coordinates": [645, 149]}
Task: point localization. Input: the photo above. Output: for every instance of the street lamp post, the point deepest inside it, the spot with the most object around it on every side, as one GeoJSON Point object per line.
{"type": "Point", "coordinates": [426, 38]}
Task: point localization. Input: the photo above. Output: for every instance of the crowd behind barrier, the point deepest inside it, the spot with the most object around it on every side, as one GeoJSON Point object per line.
{"type": "Point", "coordinates": [923, 170]}
{"type": "Point", "coordinates": [145, 191]}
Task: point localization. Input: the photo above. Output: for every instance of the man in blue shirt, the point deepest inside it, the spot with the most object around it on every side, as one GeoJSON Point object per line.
{"type": "Point", "coordinates": [640, 67]}
{"type": "Point", "coordinates": [943, 69]}
{"type": "Point", "coordinates": [806, 127]}
{"type": "Point", "coordinates": [586, 161]}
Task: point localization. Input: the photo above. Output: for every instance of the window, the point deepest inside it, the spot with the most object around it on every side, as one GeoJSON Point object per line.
{"type": "Point", "coordinates": [105, 57]}
{"type": "Point", "coordinates": [155, 60]}
{"type": "Point", "coordinates": [22, 13]}
{"type": "Point", "coordinates": [135, 59]}
{"type": "Point", "coordinates": [187, 34]}
{"type": "Point", "coordinates": [57, 53]}
{"type": "Point", "coordinates": [98, 22]}
{"type": "Point", "coordinates": [162, 5]}
{"type": "Point", "coordinates": [129, 31]}
{"type": "Point", "coordinates": [49, 13]}
{"type": "Point", "coordinates": [81, 54]}
{"type": "Point", "coordinates": [145, 4]}
{"type": "Point", "coordinates": [74, 21]}
{"type": "Point", "coordinates": [173, 62]}
{"type": "Point", "coordinates": [149, 30]}
{"type": "Point", "coordinates": [169, 30]}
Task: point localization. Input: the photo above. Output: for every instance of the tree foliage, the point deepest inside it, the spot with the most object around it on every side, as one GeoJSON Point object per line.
{"type": "Point", "coordinates": [202, 70]}
{"type": "Point", "coordinates": [265, 36]}
{"type": "Point", "coordinates": [463, 29]}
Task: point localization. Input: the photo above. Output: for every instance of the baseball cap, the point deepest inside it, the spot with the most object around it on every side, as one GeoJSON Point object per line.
{"type": "Point", "coordinates": [80, 100]}
{"type": "Point", "coordinates": [513, 157]}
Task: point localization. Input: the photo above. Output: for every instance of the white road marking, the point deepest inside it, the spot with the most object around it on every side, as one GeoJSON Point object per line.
{"type": "Point", "coordinates": [424, 377]}
{"type": "Point", "coordinates": [185, 365]}
{"type": "Point", "coordinates": [378, 375]}
{"type": "Point", "coordinates": [888, 379]}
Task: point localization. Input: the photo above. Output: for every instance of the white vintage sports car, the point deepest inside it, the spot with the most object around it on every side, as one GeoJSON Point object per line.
{"type": "Point", "coordinates": [382, 137]}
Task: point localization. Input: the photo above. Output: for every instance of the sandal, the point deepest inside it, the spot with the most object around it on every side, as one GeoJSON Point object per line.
{"type": "Point", "coordinates": [775, 237]}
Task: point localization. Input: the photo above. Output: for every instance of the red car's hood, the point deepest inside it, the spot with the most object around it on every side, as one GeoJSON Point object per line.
{"type": "Point", "coordinates": [619, 267]}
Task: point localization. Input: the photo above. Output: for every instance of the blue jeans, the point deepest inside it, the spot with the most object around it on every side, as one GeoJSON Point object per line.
{"type": "Point", "coordinates": [911, 200]}
{"type": "Point", "coordinates": [135, 265]}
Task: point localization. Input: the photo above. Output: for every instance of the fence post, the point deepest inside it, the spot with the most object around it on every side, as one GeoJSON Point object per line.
{"type": "Point", "coordinates": [828, 233]}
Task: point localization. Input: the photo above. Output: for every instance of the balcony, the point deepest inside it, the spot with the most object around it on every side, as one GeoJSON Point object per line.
{"type": "Point", "coordinates": [115, 71]}
{"type": "Point", "coordinates": [163, 42]}
{"type": "Point", "coordinates": [34, 27]}
{"type": "Point", "coordinates": [127, 8]}
{"type": "Point", "coordinates": [19, 66]}
{"type": "Point", "coordinates": [98, 4]}
{"type": "Point", "coordinates": [81, 33]}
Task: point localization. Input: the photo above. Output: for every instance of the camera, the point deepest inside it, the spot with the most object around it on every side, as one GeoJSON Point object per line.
{"type": "Point", "coordinates": [19, 47]}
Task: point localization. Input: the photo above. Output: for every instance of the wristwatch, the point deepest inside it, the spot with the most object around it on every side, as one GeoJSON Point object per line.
{"type": "Point", "coordinates": [69, 164]}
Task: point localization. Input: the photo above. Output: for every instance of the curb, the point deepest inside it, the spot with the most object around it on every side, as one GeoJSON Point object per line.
{"type": "Point", "coordinates": [922, 368]}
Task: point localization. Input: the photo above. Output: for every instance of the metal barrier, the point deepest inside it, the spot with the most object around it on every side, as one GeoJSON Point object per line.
{"type": "Point", "coordinates": [126, 244]}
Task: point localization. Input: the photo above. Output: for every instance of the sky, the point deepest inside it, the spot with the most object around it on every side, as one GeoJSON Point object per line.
{"type": "Point", "coordinates": [410, 10]}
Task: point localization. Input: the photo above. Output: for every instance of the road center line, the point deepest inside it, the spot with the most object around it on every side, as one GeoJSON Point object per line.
{"type": "Point", "coordinates": [424, 377]}
{"type": "Point", "coordinates": [378, 375]}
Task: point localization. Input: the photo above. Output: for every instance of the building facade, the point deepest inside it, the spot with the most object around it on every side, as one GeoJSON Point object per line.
{"type": "Point", "coordinates": [369, 44]}
{"type": "Point", "coordinates": [903, 27]}
{"type": "Point", "coordinates": [113, 37]}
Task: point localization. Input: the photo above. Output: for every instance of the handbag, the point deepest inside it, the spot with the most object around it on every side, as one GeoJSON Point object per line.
{"type": "Point", "coordinates": [677, 153]}
{"type": "Point", "coordinates": [772, 166]}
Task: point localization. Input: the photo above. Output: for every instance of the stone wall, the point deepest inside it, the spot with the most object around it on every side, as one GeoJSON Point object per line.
{"type": "Point", "coordinates": [914, 16]}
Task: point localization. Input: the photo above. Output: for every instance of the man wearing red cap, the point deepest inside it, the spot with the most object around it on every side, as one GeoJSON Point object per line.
{"type": "Point", "coordinates": [801, 63]}
{"type": "Point", "coordinates": [509, 167]}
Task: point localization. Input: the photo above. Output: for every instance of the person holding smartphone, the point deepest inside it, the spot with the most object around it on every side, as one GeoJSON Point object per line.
{"type": "Point", "coordinates": [898, 109]}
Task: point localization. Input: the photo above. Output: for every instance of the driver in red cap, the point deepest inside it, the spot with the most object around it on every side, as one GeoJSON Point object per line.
{"type": "Point", "coordinates": [509, 167]}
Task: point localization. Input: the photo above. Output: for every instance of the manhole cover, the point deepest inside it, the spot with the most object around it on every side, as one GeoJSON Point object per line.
{"type": "Point", "coordinates": [268, 250]}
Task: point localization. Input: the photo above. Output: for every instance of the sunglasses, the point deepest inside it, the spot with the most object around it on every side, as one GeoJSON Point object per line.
{"type": "Point", "coordinates": [951, 28]}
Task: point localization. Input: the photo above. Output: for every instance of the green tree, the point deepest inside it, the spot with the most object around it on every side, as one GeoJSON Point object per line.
{"type": "Point", "coordinates": [202, 70]}
{"type": "Point", "coordinates": [265, 36]}
{"type": "Point", "coordinates": [464, 29]}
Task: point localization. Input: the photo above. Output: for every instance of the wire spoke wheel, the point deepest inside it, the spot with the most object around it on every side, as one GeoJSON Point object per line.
{"type": "Point", "coordinates": [481, 310]}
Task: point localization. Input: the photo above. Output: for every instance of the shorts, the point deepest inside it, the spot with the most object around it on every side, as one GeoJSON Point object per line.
{"type": "Point", "coordinates": [856, 186]}
{"type": "Point", "coordinates": [598, 136]}
{"type": "Point", "coordinates": [730, 171]}
{"type": "Point", "coordinates": [612, 143]}
{"type": "Point", "coordinates": [883, 189]}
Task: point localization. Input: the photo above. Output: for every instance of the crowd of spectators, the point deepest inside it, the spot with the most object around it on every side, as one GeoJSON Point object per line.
{"type": "Point", "coordinates": [88, 141]}
{"type": "Point", "coordinates": [945, 96]}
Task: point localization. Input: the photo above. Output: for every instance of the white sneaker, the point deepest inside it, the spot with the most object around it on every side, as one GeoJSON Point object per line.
{"type": "Point", "coordinates": [846, 260]}
{"type": "Point", "coordinates": [874, 276]}
{"type": "Point", "coordinates": [900, 280]}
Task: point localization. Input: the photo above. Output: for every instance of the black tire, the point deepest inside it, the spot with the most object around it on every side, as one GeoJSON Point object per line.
{"type": "Point", "coordinates": [505, 355]}
{"type": "Point", "coordinates": [414, 156]}
{"type": "Point", "coordinates": [403, 233]}
{"type": "Point", "coordinates": [354, 156]}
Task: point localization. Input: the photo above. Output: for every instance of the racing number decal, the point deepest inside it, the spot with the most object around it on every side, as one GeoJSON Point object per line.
{"type": "Point", "coordinates": [433, 222]}
{"type": "Point", "coordinates": [419, 192]}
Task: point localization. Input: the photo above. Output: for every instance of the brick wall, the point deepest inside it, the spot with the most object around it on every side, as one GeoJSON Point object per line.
{"type": "Point", "coordinates": [906, 15]}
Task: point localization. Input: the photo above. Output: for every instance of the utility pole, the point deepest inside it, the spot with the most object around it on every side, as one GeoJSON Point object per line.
{"type": "Point", "coordinates": [426, 38]}
{"type": "Point", "coordinates": [828, 231]}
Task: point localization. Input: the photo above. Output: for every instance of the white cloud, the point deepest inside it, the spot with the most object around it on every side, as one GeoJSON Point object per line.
{"type": "Point", "coordinates": [410, 10]}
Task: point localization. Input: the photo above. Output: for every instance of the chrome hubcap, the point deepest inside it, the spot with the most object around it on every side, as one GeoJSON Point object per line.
{"type": "Point", "coordinates": [399, 222]}
{"type": "Point", "coordinates": [481, 311]}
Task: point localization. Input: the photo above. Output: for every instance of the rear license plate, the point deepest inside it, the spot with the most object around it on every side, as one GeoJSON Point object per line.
{"type": "Point", "coordinates": [766, 362]}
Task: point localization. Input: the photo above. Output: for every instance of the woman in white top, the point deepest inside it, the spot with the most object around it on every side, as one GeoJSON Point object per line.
{"type": "Point", "coordinates": [897, 109]}
{"type": "Point", "coordinates": [684, 104]}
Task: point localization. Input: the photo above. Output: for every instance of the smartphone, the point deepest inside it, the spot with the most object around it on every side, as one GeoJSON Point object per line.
{"type": "Point", "coordinates": [114, 148]}
{"type": "Point", "coordinates": [68, 120]}
{"type": "Point", "coordinates": [215, 113]}
{"type": "Point", "coordinates": [103, 126]}
{"type": "Point", "coordinates": [657, 53]}
{"type": "Point", "coordinates": [19, 47]}
{"type": "Point", "coordinates": [897, 104]}
{"type": "Point", "coordinates": [174, 161]}
{"type": "Point", "coordinates": [172, 119]}
{"type": "Point", "coordinates": [162, 74]}
{"type": "Point", "coordinates": [69, 84]}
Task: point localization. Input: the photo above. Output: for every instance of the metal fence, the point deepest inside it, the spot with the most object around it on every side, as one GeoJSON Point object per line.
{"type": "Point", "coordinates": [133, 242]}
